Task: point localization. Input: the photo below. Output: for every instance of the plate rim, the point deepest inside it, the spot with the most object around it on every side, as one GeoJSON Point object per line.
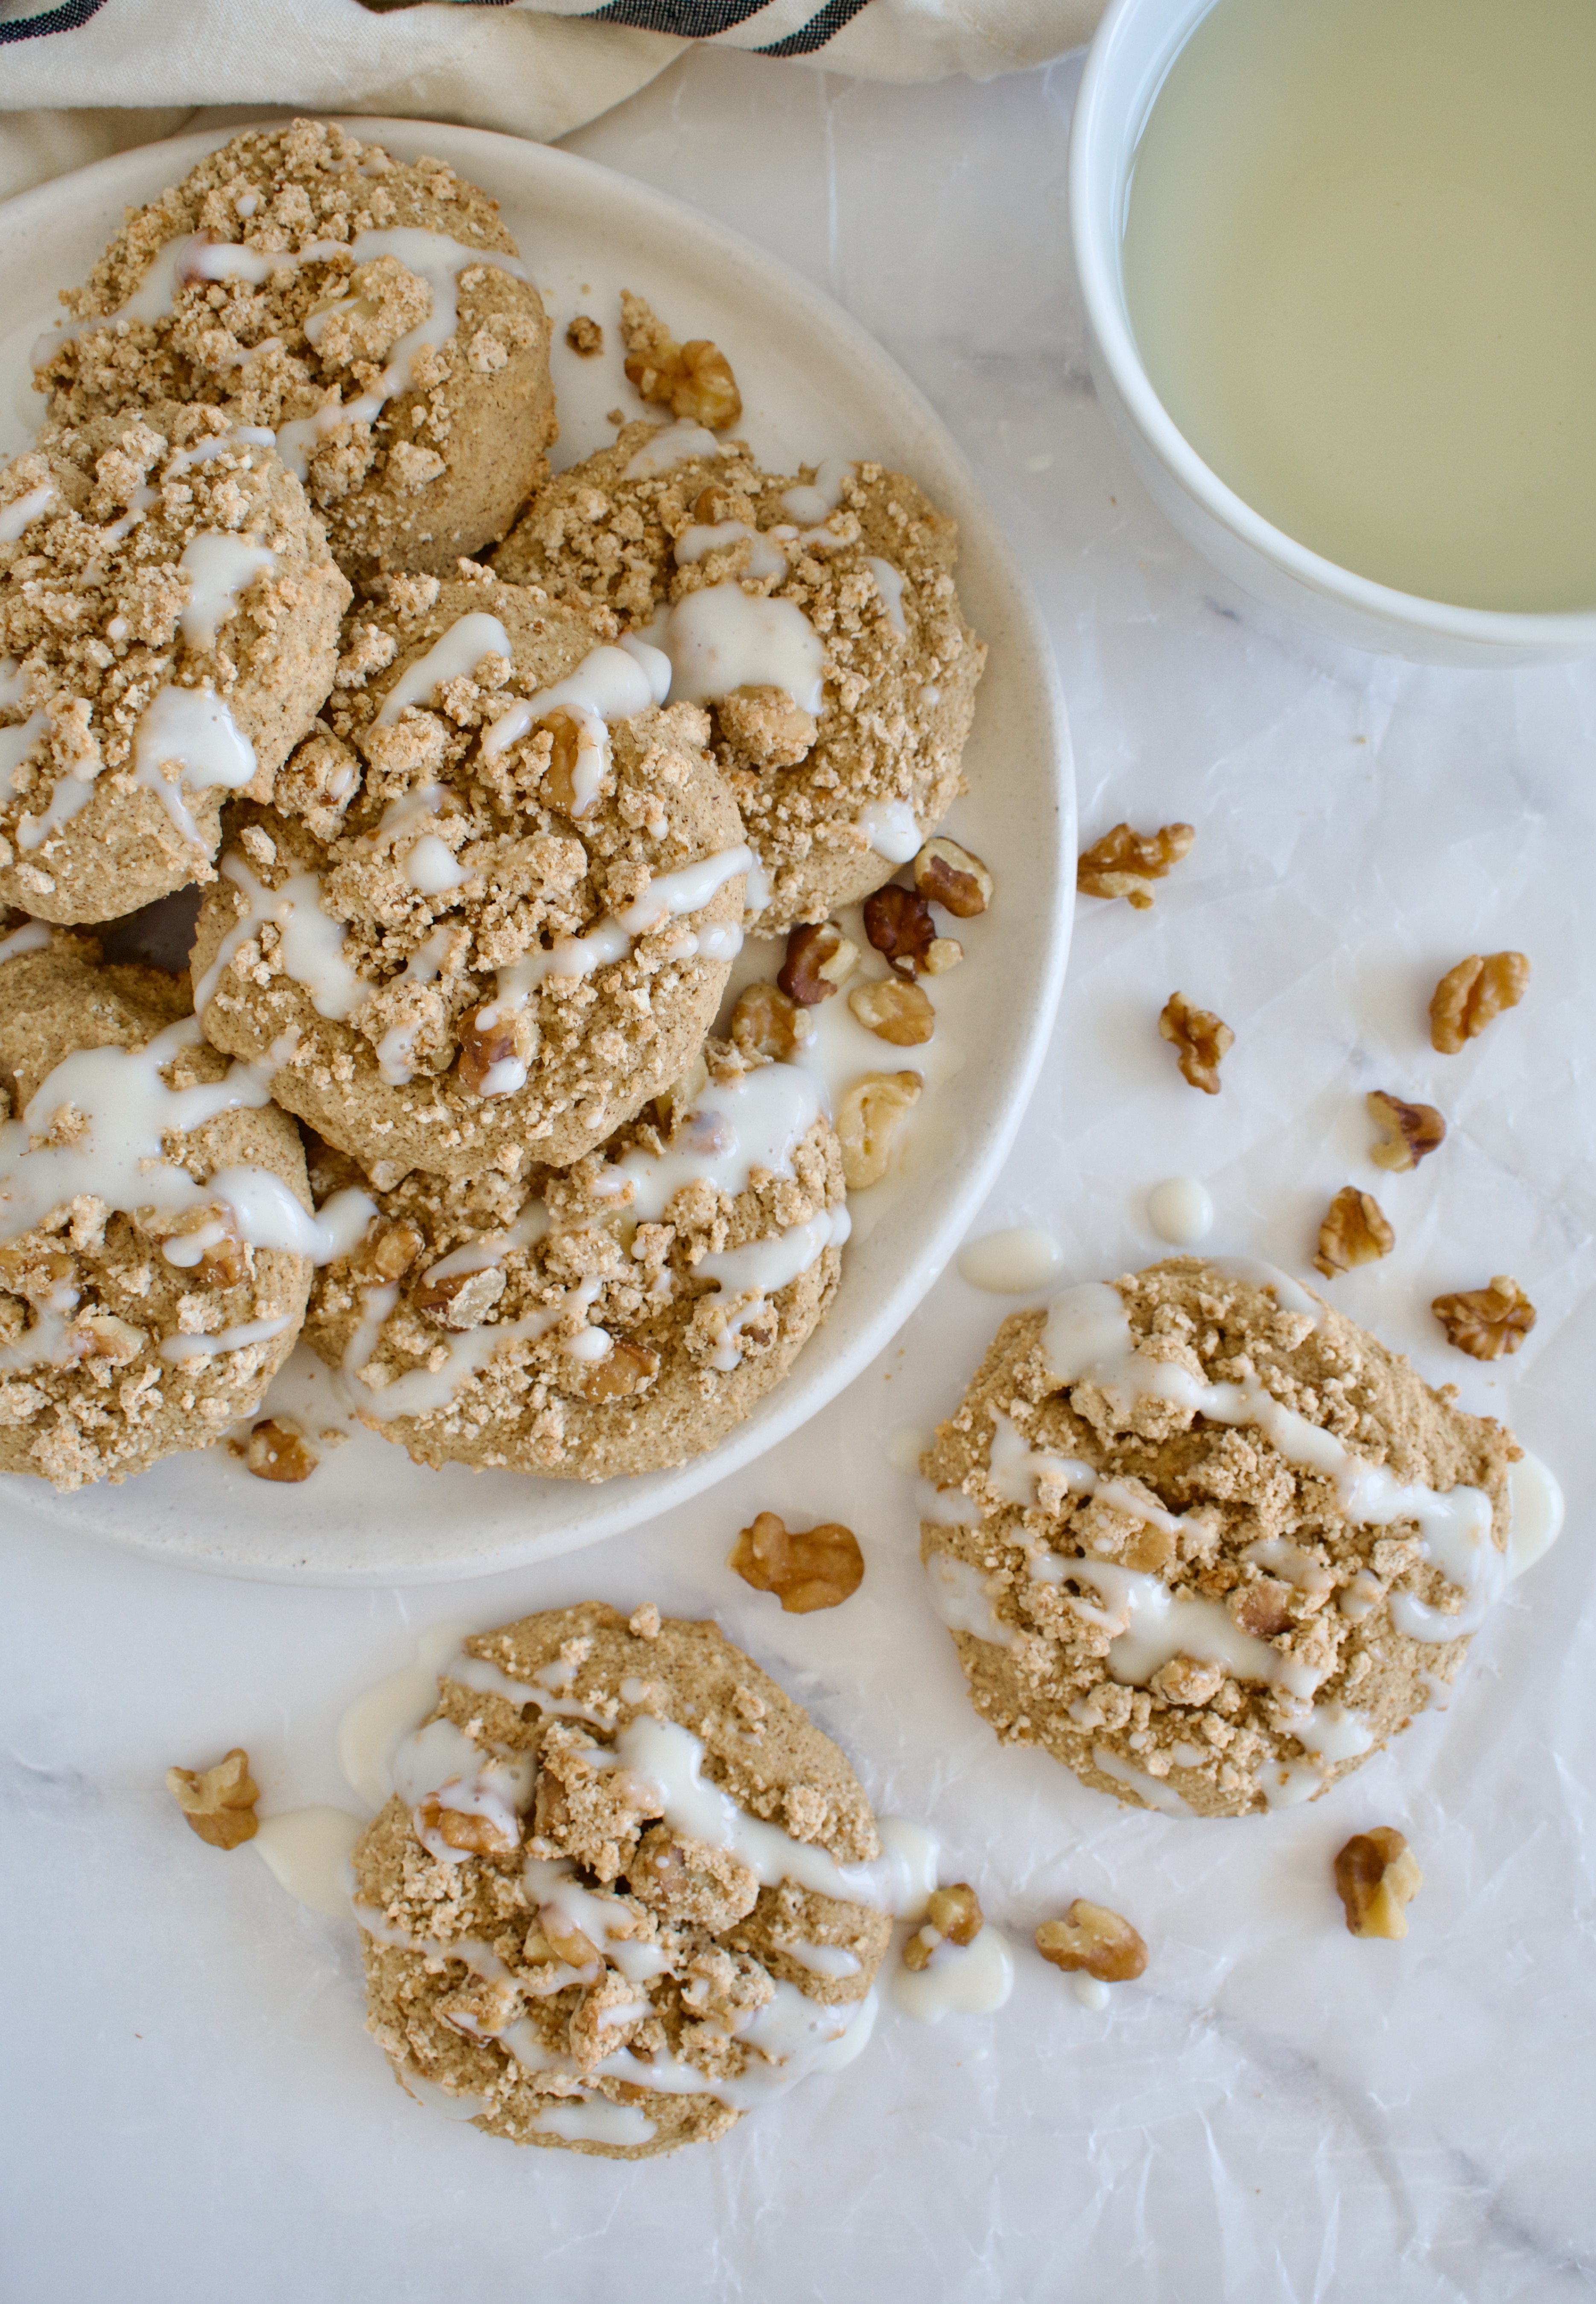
{"type": "Point", "coordinates": [791, 1404]}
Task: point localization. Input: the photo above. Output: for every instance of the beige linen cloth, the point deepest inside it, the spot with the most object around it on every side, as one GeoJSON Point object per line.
{"type": "Point", "coordinates": [83, 77]}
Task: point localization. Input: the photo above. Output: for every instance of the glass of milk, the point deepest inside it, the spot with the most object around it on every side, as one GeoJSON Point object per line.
{"type": "Point", "coordinates": [1338, 258]}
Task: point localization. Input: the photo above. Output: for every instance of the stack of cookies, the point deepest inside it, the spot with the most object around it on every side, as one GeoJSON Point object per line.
{"type": "Point", "coordinates": [473, 845]}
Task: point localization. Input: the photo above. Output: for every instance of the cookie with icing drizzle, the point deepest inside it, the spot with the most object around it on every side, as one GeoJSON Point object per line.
{"type": "Point", "coordinates": [625, 1892]}
{"type": "Point", "coordinates": [1208, 1542]}
{"type": "Point", "coordinates": [815, 615]}
{"type": "Point", "coordinates": [614, 1318]}
{"type": "Point", "coordinates": [496, 905]}
{"type": "Point", "coordinates": [156, 1233]}
{"type": "Point", "coordinates": [169, 617]}
{"type": "Point", "coordinates": [372, 313]}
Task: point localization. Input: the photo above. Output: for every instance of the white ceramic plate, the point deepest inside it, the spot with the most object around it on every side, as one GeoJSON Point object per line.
{"type": "Point", "coordinates": [813, 385]}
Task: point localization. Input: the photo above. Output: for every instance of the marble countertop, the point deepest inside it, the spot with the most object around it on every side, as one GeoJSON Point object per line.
{"type": "Point", "coordinates": [1276, 2111]}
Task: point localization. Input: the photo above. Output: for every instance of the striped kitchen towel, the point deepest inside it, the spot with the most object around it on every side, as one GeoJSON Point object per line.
{"type": "Point", "coordinates": [534, 67]}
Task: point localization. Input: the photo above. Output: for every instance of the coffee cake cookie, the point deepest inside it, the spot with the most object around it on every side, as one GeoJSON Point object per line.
{"type": "Point", "coordinates": [494, 909]}
{"type": "Point", "coordinates": [625, 1890]}
{"type": "Point", "coordinates": [1205, 1540]}
{"type": "Point", "coordinates": [816, 617]}
{"type": "Point", "coordinates": [372, 313]}
{"type": "Point", "coordinates": [169, 619]}
{"type": "Point", "coordinates": [615, 1317]}
{"type": "Point", "coordinates": [155, 1228]}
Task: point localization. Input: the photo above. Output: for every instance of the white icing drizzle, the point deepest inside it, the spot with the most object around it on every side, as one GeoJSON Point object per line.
{"type": "Point", "coordinates": [1288, 1293]}
{"type": "Point", "coordinates": [545, 1689]}
{"type": "Point", "coordinates": [1148, 1788]}
{"type": "Point", "coordinates": [722, 638]}
{"type": "Point", "coordinates": [962, 1596]}
{"type": "Point", "coordinates": [440, 1763]}
{"type": "Point", "coordinates": [33, 935]}
{"type": "Point", "coordinates": [820, 1960]}
{"type": "Point", "coordinates": [71, 790]}
{"type": "Point", "coordinates": [14, 684]}
{"type": "Point", "coordinates": [595, 2120]}
{"type": "Point", "coordinates": [375, 1724]}
{"type": "Point", "coordinates": [1180, 1210]}
{"type": "Point", "coordinates": [455, 654]}
{"type": "Point", "coordinates": [889, 583]}
{"type": "Point", "coordinates": [220, 569]}
{"type": "Point", "coordinates": [192, 729]}
{"type": "Point", "coordinates": [311, 946]}
{"type": "Point", "coordinates": [307, 1851]}
{"type": "Point", "coordinates": [811, 503]}
{"type": "Point", "coordinates": [18, 517]}
{"type": "Point", "coordinates": [889, 828]}
{"type": "Point", "coordinates": [765, 558]}
{"type": "Point", "coordinates": [453, 2105]}
{"type": "Point", "coordinates": [1012, 1263]}
{"type": "Point", "coordinates": [682, 442]}
{"type": "Point", "coordinates": [973, 1979]}
{"type": "Point", "coordinates": [1536, 1497]}
{"type": "Point", "coordinates": [609, 684]}
{"type": "Point", "coordinates": [17, 742]}
{"type": "Point", "coordinates": [226, 1340]}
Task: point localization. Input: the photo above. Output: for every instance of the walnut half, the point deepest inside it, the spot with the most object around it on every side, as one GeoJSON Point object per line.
{"type": "Point", "coordinates": [869, 1115]}
{"type": "Point", "coordinates": [1354, 1232]}
{"type": "Point", "coordinates": [1091, 1937]}
{"type": "Point", "coordinates": [1126, 863]}
{"type": "Point", "coordinates": [1486, 1323]}
{"type": "Point", "coordinates": [1473, 995]}
{"type": "Point", "coordinates": [1200, 1039]}
{"type": "Point", "coordinates": [1409, 1132]}
{"type": "Point", "coordinates": [1376, 1874]}
{"type": "Point", "coordinates": [952, 1916]}
{"type": "Point", "coordinates": [814, 1568]}
{"type": "Point", "coordinates": [218, 1803]}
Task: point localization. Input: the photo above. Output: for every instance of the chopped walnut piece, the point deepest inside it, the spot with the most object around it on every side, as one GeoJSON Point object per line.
{"type": "Point", "coordinates": [490, 1035]}
{"type": "Point", "coordinates": [584, 336]}
{"type": "Point", "coordinates": [814, 1568]}
{"type": "Point", "coordinates": [768, 1022]}
{"type": "Point", "coordinates": [1376, 1874]}
{"type": "Point", "coordinates": [1126, 863]}
{"type": "Point", "coordinates": [819, 960]}
{"type": "Point", "coordinates": [104, 1336]}
{"type": "Point", "coordinates": [1091, 1937]}
{"type": "Point", "coordinates": [459, 1301]}
{"type": "Point", "coordinates": [565, 732]}
{"type": "Point", "coordinates": [1473, 995]}
{"type": "Point", "coordinates": [1200, 1039]}
{"type": "Point", "coordinates": [276, 1452]}
{"type": "Point", "coordinates": [625, 1370]}
{"type": "Point", "coordinates": [948, 875]}
{"type": "Point", "coordinates": [224, 1260]}
{"type": "Point", "coordinates": [218, 1803]}
{"type": "Point", "coordinates": [942, 954]}
{"type": "Point", "coordinates": [388, 1254]}
{"type": "Point", "coordinates": [894, 1011]}
{"type": "Point", "coordinates": [869, 1115]}
{"type": "Point", "coordinates": [473, 1836]}
{"type": "Point", "coordinates": [898, 922]}
{"type": "Point", "coordinates": [1409, 1132]}
{"type": "Point", "coordinates": [1354, 1232]}
{"type": "Point", "coordinates": [1487, 1322]}
{"type": "Point", "coordinates": [692, 380]}
{"type": "Point", "coordinates": [767, 725]}
{"type": "Point", "coordinates": [1263, 1609]}
{"type": "Point", "coordinates": [952, 1916]}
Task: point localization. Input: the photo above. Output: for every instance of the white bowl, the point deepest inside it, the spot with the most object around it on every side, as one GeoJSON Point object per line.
{"type": "Point", "coordinates": [813, 385]}
{"type": "Point", "coordinates": [1136, 42]}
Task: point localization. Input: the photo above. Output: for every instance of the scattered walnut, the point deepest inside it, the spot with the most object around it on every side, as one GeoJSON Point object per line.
{"type": "Point", "coordinates": [1487, 1322]}
{"type": "Point", "coordinates": [389, 1253]}
{"type": "Point", "coordinates": [869, 1115]}
{"type": "Point", "coordinates": [459, 1301]}
{"type": "Point", "coordinates": [1376, 1874]}
{"type": "Point", "coordinates": [103, 1336]}
{"type": "Point", "coordinates": [1091, 1937]}
{"type": "Point", "coordinates": [942, 954]}
{"type": "Point", "coordinates": [1126, 863]}
{"type": "Point", "coordinates": [1200, 1038]}
{"type": "Point", "coordinates": [584, 336]}
{"type": "Point", "coordinates": [1473, 995]}
{"type": "Point", "coordinates": [625, 1370]}
{"type": "Point", "coordinates": [819, 960]}
{"type": "Point", "coordinates": [692, 380]}
{"type": "Point", "coordinates": [766, 724]}
{"type": "Point", "coordinates": [898, 922]}
{"type": "Point", "coordinates": [473, 1835]}
{"type": "Point", "coordinates": [814, 1568]}
{"type": "Point", "coordinates": [276, 1452]}
{"type": "Point", "coordinates": [951, 875]}
{"type": "Point", "coordinates": [765, 1022]}
{"type": "Point", "coordinates": [894, 1011]}
{"type": "Point", "coordinates": [491, 1036]}
{"type": "Point", "coordinates": [1263, 1609]}
{"type": "Point", "coordinates": [1354, 1232]}
{"type": "Point", "coordinates": [952, 1916]}
{"type": "Point", "coordinates": [218, 1803]}
{"type": "Point", "coordinates": [1187, 1680]}
{"type": "Point", "coordinates": [1409, 1132]}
